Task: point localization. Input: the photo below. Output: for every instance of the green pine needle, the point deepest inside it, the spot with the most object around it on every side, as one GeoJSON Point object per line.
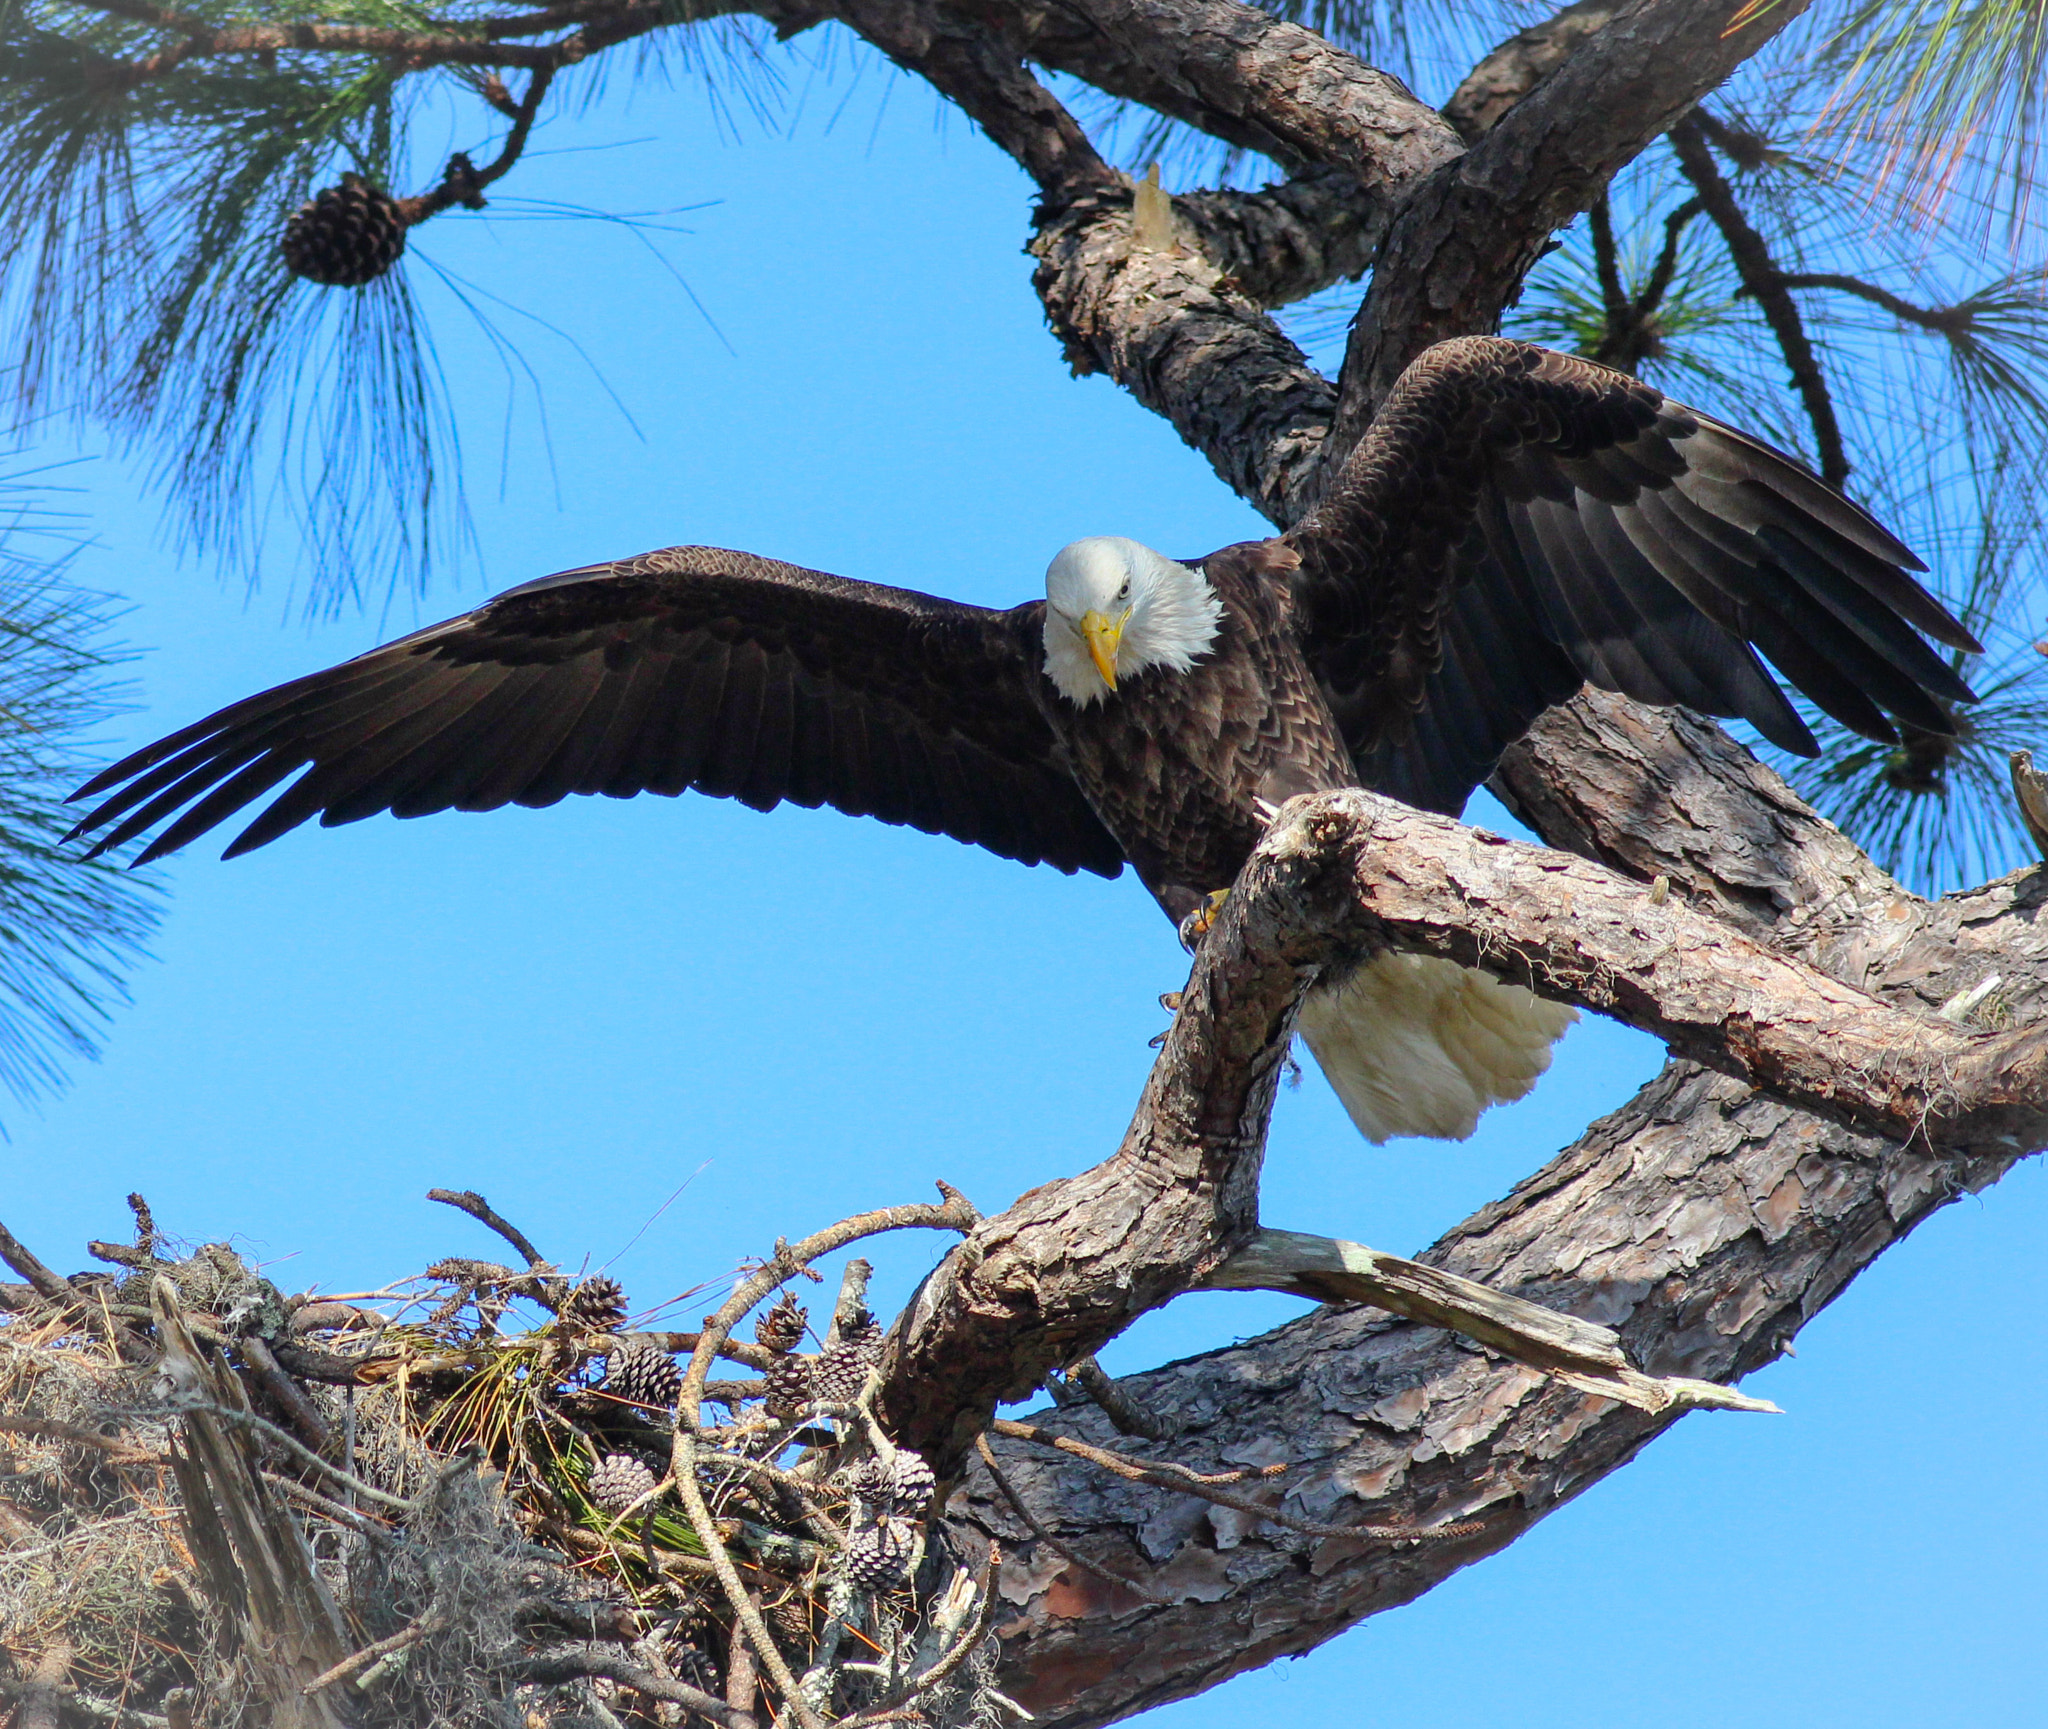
{"type": "Point", "coordinates": [68, 930]}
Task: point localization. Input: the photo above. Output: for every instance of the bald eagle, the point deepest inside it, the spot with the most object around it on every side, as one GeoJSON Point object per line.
{"type": "Point", "coordinates": [1515, 523]}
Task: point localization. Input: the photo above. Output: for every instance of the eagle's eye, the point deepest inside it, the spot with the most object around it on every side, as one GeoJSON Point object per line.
{"type": "Point", "coordinates": [1124, 593]}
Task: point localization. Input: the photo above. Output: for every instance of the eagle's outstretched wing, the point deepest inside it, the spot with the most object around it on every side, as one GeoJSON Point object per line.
{"type": "Point", "coordinates": [1517, 522]}
{"type": "Point", "coordinates": [690, 667]}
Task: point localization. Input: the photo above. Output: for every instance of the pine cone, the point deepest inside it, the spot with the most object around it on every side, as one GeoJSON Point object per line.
{"type": "Point", "coordinates": [878, 1555]}
{"type": "Point", "coordinates": [643, 1374]}
{"type": "Point", "coordinates": [791, 1617]}
{"type": "Point", "coordinates": [911, 1485]}
{"type": "Point", "coordinates": [620, 1481]}
{"type": "Point", "coordinates": [782, 1327]}
{"type": "Point", "coordinates": [598, 1305]}
{"type": "Point", "coordinates": [843, 1368]}
{"type": "Point", "coordinates": [902, 1485]}
{"type": "Point", "coordinates": [345, 237]}
{"type": "Point", "coordinates": [789, 1385]}
{"type": "Point", "coordinates": [870, 1481]}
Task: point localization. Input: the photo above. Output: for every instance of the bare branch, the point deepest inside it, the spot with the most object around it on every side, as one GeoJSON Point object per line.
{"type": "Point", "coordinates": [1588, 1356]}
{"type": "Point", "coordinates": [1762, 279]}
{"type": "Point", "coordinates": [1943, 320]}
{"type": "Point", "coordinates": [546, 1285]}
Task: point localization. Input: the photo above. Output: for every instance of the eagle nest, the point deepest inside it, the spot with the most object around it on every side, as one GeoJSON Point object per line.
{"type": "Point", "coordinates": [470, 1498]}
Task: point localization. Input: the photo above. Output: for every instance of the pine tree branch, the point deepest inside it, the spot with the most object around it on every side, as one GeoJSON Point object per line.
{"type": "Point", "coordinates": [1318, 103]}
{"type": "Point", "coordinates": [1943, 320]}
{"type": "Point", "coordinates": [439, 43]}
{"type": "Point", "coordinates": [1704, 1221]}
{"type": "Point", "coordinates": [1349, 874]}
{"type": "Point", "coordinates": [1762, 280]}
{"type": "Point", "coordinates": [1658, 283]}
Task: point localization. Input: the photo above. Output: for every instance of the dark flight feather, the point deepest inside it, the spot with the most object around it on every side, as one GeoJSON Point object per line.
{"type": "Point", "coordinates": [690, 667]}
{"type": "Point", "coordinates": [1647, 548]}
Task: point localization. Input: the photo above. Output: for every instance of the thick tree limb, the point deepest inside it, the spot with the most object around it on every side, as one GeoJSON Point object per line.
{"type": "Point", "coordinates": [1347, 874]}
{"type": "Point", "coordinates": [1574, 932]}
{"type": "Point", "coordinates": [1520, 63]}
{"type": "Point", "coordinates": [1704, 1221]}
{"type": "Point", "coordinates": [1312, 100]}
{"type": "Point", "coordinates": [596, 27]}
{"type": "Point", "coordinates": [1169, 327]}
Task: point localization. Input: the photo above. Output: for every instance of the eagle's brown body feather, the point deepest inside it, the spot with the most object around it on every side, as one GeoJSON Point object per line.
{"type": "Point", "coordinates": [1179, 764]}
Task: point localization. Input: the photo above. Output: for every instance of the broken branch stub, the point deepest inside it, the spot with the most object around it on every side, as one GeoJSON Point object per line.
{"type": "Point", "coordinates": [1583, 1353]}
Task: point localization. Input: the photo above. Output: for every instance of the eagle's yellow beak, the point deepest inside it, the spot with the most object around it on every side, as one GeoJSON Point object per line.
{"type": "Point", "coordinates": [1102, 634]}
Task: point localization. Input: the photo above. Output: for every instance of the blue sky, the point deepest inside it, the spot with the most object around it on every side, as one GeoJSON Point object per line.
{"type": "Point", "coordinates": [792, 1017]}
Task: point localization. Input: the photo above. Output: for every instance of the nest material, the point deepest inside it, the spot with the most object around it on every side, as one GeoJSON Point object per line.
{"type": "Point", "coordinates": [437, 1492]}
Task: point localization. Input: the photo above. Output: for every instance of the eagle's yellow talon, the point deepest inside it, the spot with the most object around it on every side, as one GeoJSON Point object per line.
{"type": "Point", "coordinates": [1202, 920]}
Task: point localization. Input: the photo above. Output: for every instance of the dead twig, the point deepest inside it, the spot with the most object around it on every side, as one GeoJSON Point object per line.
{"type": "Point", "coordinates": [552, 1286]}
{"type": "Point", "coordinates": [1108, 1575]}
{"type": "Point", "coordinates": [1186, 1482]}
{"type": "Point", "coordinates": [357, 1661]}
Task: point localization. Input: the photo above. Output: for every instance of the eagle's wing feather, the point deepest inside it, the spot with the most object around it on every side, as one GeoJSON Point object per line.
{"type": "Point", "coordinates": [687, 668]}
{"type": "Point", "coordinates": [1517, 522]}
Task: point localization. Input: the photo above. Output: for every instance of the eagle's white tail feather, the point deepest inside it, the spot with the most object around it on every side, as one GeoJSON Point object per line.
{"type": "Point", "coordinates": [1416, 1046]}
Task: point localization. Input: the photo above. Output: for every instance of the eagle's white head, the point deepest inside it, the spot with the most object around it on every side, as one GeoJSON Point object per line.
{"type": "Point", "coordinates": [1114, 608]}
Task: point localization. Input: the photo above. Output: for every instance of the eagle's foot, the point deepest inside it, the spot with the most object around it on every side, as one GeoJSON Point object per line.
{"type": "Point", "coordinates": [1170, 1002]}
{"type": "Point", "coordinates": [1202, 920]}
